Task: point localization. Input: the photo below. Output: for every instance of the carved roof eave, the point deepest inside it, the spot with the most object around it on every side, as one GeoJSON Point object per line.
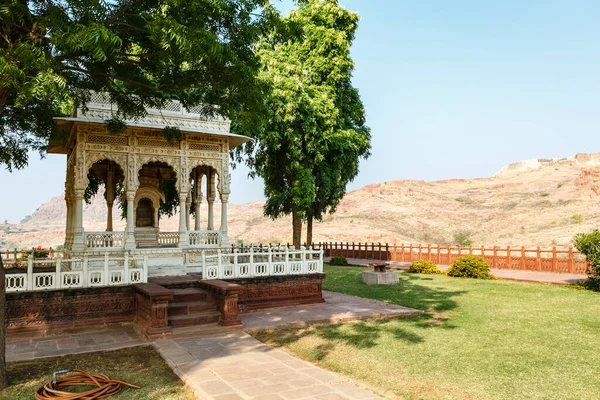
{"type": "Point", "coordinates": [67, 123]}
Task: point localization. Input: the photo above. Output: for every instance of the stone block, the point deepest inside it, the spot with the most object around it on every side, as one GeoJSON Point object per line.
{"type": "Point", "coordinates": [380, 278]}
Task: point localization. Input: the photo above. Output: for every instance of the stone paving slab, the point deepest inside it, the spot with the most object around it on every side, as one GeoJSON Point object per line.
{"type": "Point", "coordinates": [514, 274]}
{"type": "Point", "coordinates": [20, 349]}
{"type": "Point", "coordinates": [337, 308]}
{"type": "Point", "coordinates": [236, 366]}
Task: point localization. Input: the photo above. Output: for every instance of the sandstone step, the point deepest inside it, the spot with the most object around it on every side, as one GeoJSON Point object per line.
{"type": "Point", "coordinates": [205, 317]}
{"type": "Point", "coordinates": [198, 330]}
{"type": "Point", "coordinates": [188, 295]}
{"type": "Point", "coordinates": [191, 307]}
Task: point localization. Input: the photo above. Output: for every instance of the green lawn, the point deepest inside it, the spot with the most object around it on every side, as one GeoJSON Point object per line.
{"type": "Point", "coordinates": [141, 366]}
{"type": "Point", "coordinates": [479, 339]}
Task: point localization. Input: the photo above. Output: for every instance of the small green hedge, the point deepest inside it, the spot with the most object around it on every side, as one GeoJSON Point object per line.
{"type": "Point", "coordinates": [424, 267]}
{"type": "Point", "coordinates": [338, 260]}
{"type": "Point", "coordinates": [470, 267]}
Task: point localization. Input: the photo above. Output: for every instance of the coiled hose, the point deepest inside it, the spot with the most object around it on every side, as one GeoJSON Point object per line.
{"type": "Point", "coordinates": [105, 386]}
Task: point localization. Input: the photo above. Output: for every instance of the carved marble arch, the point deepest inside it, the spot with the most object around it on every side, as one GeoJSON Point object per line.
{"type": "Point", "coordinates": [215, 165]}
{"type": "Point", "coordinates": [143, 160]}
{"type": "Point", "coordinates": [119, 159]}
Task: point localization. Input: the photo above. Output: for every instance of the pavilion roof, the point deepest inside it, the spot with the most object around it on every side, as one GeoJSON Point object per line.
{"type": "Point", "coordinates": [173, 114]}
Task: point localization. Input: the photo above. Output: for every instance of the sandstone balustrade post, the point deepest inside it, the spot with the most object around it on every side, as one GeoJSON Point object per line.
{"type": "Point", "coordinates": [470, 250]}
{"type": "Point", "coordinates": [402, 249]}
{"type": "Point", "coordinates": [538, 258]}
{"type": "Point", "coordinates": [419, 257]}
{"type": "Point", "coordinates": [429, 252]}
{"type": "Point", "coordinates": [449, 254]}
{"type": "Point", "coordinates": [483, 253]}
{"type": "Point", "coordinates": [495, 257]}
{"type": "Point", "coordinates": [523, 264]}
{"type": "Point", "coordinates": [410, 253]}
{"type": "Point", "coordinates": [438, 254]}
{"type": "Point", "coordinates": [554, 259]}
{"type": "Point", "coordinates": [571, 260]}
{"type": "Point", "coordinates": [509, 257]}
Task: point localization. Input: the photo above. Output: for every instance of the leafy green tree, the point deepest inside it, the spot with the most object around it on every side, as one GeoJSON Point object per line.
{"type": "Point", "coordinates": [310, 146]}
{"type": "Point", "coordinates": [53, 53]}
{"type": "Point", "coordinates": [141, 52]}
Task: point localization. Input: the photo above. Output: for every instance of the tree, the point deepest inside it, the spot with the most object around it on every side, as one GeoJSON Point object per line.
{"type": "Point", "coordinates": [310, 146]}
{"type": "Point", "coordinates": [54, 53]}
{"type": "Point", "coordinates": [140, 52]}
{"type": "Point", "coordinates": [589, 245]}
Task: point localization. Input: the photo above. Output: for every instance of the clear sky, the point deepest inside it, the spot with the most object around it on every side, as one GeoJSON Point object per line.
{"type": "Point", "coordinates": [452, 89]}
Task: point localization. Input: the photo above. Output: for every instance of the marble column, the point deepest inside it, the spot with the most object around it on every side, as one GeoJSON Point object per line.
{"type": "Point", "coordinates": [78, 234]}
{"type": "Point", "coordinates": [130, 228]}
{"type": "Point", "coordinates": [183, 233]}
{"type": "Point", "coordinates": [110, 197]}
{"type": "Point", "coordinates": [210, 198]}
{"type": "Point", "coordinates": [198, 199]}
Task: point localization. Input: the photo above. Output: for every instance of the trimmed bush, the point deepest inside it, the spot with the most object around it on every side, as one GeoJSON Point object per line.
{"type": "Point", "coordinates": [338, 260]}
{"type": "Point", "coordinates": [470, 267]}
{"type": "Point", "coordinates": [424, 267]}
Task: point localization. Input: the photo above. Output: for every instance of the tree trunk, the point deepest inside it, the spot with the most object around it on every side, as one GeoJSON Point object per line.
{"type": "Point", "coordinates": [309, 226]}
{"type": "Point", "coordinates": [3, 378]}
{"type": "Point", "coordinates": [296, 228]}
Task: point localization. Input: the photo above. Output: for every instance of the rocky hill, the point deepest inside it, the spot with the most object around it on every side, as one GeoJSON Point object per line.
{"type": "Point", "coordinates": [537, 202]}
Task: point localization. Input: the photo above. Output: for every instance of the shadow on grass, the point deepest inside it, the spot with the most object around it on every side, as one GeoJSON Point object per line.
{"type": "Point", "coordinates": [436, 302]}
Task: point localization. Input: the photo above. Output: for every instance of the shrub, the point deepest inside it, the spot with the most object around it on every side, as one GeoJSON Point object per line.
{"type": "Point", "coordinates": [338, 260]}
{"type": "Point", "coordinates": [470, 267]}
{"type": "Point", "coordinates": [577, 218]}
{"type": "Point", "coordinates": [423, 267]}
{"type": "Point", "coordinates": [589, 245]}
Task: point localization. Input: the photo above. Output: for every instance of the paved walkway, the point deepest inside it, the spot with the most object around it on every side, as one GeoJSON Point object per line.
{"type": "Point", "coordinates": [236, 366]}
{"type": "Point", "coordinates": [19, 349]}
{"type": "Point", "coordinates": [337, 308]}
{"type": "Point", "coordinates": [519, 275]}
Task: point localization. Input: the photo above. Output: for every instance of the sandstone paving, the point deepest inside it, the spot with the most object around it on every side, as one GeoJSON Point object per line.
{"type": "Point", "coordinates": [237, 366]}
{"type": "Point", "coordinates": [337, 308]}
{"type": "Point", "coordinates": [20, 349]}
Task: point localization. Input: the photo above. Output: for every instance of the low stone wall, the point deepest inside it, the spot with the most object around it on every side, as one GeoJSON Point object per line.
{"type": "Point", "coordinates": [56, 311]}
{"type": "Point", "coordinates": [279, 291]}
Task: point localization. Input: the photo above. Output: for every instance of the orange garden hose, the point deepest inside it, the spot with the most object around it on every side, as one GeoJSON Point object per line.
{"type": "Point", "coordinates": [105, 386]}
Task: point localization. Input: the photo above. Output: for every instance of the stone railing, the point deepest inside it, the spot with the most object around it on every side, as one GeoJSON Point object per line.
{"type": "Point", "coordinates": [104, 240]}
{"type": "Point", "coordinates": [62, 273]}
{"type": "Point", "coordinates": [168, 238]}
{"type": "Point", "coordinates": [270, 262]}
{"type": "Point", "coordinates": [204, 238]}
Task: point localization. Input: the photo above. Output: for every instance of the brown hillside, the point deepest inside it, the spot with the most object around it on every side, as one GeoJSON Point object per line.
{"type": "Point", "coordinates": [537, 202]}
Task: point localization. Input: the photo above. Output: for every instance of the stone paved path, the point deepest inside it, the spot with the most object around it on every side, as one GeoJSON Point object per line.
{"type": "Point", "coordinates": [337, 308]}
{"type": "Point", "coordinates": [528, 276]}
{"type": "Point", "coordinates": [236, 366]}
{"type": "Point", "coordinates": [18, 349]}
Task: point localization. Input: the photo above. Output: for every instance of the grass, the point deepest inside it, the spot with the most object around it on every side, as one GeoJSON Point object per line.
{"type": "Point", "coordinates": [141, 366]}
{"type": "Point", "coordinates": [479, 339]}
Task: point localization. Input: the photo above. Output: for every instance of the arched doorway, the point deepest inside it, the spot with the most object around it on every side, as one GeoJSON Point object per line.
{"type": "Point", "coordinates": [144, 214]}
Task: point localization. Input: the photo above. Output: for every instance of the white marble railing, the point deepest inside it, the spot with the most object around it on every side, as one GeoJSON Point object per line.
{"type": "Point", "coordinates": [168, 238]}
{"type": "Point", "coordinates": [204, 238]}
{"type": "Point", "coordinates": [270, 262]}
{"type": "Point", "coordinates": [79, 273]}
{"type": "Point", "coordinates": [104, 240]}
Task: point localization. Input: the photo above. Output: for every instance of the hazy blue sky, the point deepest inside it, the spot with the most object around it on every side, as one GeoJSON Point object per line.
{"type": "Point", "coordinates": [452, 90]}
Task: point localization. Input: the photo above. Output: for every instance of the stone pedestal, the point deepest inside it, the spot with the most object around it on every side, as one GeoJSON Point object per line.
{"type": "Point", "coordinates": [380, 278]}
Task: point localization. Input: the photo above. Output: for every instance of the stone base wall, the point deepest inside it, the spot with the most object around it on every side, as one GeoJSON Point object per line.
{"type": "Point", "coordinates": [279, 291]}
{"type": "Point", "coordinates": [58, 311]}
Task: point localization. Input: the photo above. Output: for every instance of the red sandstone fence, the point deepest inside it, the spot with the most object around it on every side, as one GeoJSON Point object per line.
{"type": "Point", "coordinates": [544, 260]}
